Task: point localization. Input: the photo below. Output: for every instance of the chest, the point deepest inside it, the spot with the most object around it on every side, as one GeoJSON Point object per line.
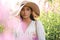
{"type": "Point", "coordinates": [29, 33]}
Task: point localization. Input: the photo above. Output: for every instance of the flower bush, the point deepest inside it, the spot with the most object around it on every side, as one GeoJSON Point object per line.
{"type": "Point", "coordinates": [51, 22]}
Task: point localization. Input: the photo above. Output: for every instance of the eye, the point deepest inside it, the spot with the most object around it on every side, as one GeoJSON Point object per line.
{"type": "Point", "coordinates": [28, 9]}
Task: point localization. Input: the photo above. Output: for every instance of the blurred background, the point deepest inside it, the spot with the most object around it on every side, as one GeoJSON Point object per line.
{"type": "Point", "coordinates": [49, 15]}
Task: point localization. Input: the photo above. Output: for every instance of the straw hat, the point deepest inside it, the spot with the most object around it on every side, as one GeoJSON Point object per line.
{"type": "Point", "coordinates": [33, 5]}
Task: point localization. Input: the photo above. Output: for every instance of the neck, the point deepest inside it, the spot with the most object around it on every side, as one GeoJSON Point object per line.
{"type": "Point", "coordinates": [27, 20]}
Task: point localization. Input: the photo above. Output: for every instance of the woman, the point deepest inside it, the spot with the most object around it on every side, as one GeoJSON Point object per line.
{"type": "Point", "coordinates": [30, 28]}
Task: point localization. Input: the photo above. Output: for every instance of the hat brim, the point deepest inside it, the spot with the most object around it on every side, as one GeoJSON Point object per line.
{"type": "Point", "coordinates": [29, 4]}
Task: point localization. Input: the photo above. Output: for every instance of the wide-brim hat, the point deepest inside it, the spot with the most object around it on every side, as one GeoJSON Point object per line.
{"type": "Point", "coordinates": [33, 5]}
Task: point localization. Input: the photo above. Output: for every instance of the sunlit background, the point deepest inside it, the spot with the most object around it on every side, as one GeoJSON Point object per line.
{"type": "Point", "coordinates": [49, 15]}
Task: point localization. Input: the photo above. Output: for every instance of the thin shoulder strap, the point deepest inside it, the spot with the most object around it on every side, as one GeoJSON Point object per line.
{"type": "Point", "coordinates": [36, 28]}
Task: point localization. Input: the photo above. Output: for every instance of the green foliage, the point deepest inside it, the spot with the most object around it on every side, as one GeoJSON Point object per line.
{"type": "Point", "coordinates": [51, 22]}
{"type": "Point", "coordinates": [50, 1]}
{"type": "Point", "coordinates": [1, 28]}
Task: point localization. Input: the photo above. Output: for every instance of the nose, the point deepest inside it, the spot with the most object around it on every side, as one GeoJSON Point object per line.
{"type": "Point", "coordinates": [24, 11]}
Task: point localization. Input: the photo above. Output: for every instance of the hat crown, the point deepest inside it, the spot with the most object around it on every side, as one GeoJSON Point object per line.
{"type": "Point", "coordinates": [33, 5]}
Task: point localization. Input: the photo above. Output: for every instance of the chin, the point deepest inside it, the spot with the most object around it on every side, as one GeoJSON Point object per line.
{"type": "Point", "coordinates": [25, 17]}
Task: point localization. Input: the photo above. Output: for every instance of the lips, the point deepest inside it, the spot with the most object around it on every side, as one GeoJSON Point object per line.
{"type": "Point", "coordinates": [24, 15]}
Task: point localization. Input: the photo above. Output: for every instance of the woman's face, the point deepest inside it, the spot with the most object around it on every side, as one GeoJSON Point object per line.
{"type": "Point", "coordinates": [25, 12]}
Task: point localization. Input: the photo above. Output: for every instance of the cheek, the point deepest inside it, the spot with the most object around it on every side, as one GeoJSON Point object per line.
{"type": "Point", "coordinates": [29, 13]}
